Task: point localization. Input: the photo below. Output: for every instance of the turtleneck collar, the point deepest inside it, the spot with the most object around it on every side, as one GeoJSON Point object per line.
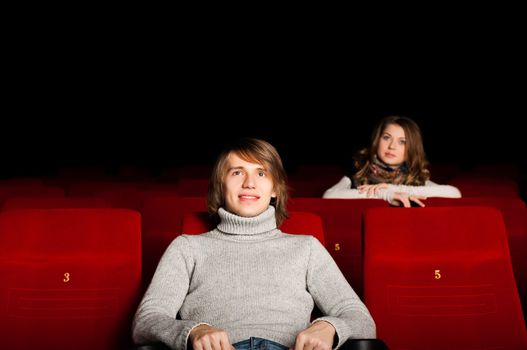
{"type": "Point", "coordinates": [248, 228]}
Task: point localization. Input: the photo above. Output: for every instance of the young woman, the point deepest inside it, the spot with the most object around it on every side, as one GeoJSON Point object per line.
{"type": "Point", "coordinates": [246, 284]}
{"type": "Point", "coordinates": [393, 168]}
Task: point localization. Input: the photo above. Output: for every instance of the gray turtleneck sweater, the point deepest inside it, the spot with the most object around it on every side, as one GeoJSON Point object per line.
{"type": "Point", "coordinates": [251, 280]}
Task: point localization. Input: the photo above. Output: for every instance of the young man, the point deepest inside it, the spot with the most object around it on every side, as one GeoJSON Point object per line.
{"type": "Point", "coordinates": [246, 283]}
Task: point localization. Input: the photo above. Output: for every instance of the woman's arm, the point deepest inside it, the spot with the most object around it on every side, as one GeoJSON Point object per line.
{"type": "Point", "coordinates": [430, 189]}
{"type": "Point", "coordinates": [342, 189]}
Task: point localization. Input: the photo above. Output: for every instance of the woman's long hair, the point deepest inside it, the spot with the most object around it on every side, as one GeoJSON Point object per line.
{"type": "Point", "coordinates": [416, 163]}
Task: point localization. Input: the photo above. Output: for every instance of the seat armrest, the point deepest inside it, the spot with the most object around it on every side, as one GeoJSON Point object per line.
{"type": "Point", "coordinates": [364, 344]}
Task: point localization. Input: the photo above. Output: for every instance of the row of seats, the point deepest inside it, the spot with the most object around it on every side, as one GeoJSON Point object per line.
{"type": "Point", "coordinates": [441, 278]}
{"type": "Point", "coordinates": [342, 219]}
{"type": "Point", "coordinates": [71, 277]}
{"type": "Point", "coordinates": [441, 172]}
{"type": "Point", "coordinates": [432, 283]}
{"type": "Point", "coordinates": [313, 186]}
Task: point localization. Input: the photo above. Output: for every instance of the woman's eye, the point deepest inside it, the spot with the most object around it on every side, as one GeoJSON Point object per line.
{"type": "Point", "coordinates": [261, 173]}
{"type": "Point", "coordinates": [386, 137]}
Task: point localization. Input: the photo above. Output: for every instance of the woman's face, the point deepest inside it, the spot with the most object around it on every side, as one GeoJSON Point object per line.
{"type": "Point", "coordinates": [392, 146]}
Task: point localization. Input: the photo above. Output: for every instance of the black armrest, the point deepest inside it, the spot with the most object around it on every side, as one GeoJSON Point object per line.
{"type": "Point", "coordinates": [364, 344]}
{"type": "Point", "coordinates": [151, 347]}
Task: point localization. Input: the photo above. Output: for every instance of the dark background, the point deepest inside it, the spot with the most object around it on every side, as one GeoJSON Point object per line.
{"type": "Point", "coordinates": [132, 98]}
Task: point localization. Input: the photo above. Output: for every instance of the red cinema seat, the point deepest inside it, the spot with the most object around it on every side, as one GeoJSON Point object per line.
{"type": "Point", "coordinates": [297, 223]}
{"type": "Point", "coordinates": [482, 187]}
{"type": "Point", "coordinates": [514, 215]}
{"type": "Point", "coordinates": [87, 188]}
{"type": "Point", "coordinates": [70, 278]}
{"type": "Point", "coordinates": [8, 191]}
{"type": "Point", "coordinates": [310, 187]}
{"type": "Point", "coordinates": [126, 198]}
{"type": "Point", "coordinates": [162, 220]}
{"type": "Point", "coordinates": [342, 221]}
{"type": "Point", "coordinates": [193, 187]}
{"type": "Point", "coordinates": [441, 278]}
{"type": "Point", "coordinates": [493, 171]}
{"type": "Point", "coordinates": [54, 203]}
{"type": "Point", "coordinates": [165, 212]}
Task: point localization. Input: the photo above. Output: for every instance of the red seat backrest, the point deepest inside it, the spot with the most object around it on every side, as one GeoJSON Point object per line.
{"type": "Point", "coordinates": [441, 278]}
{"type": "Point", "coordinates": [70, 278]}
{"type": "Point", "coordinates": [514, 215]}
{"type": "Point", "coordinates": [162, 222]}
{"type": "Point", "coordinates": [54, 203]}
{"type": "Point", "coordinates": [342, 221]}
{"type": "Point", "coordinates": [481, 187]}
{"type": "Point", "coordinates": [193, 187]}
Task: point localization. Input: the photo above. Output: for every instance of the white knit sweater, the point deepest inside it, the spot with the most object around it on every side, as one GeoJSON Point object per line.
{"type": "Point", "coordinates": [342, 189]}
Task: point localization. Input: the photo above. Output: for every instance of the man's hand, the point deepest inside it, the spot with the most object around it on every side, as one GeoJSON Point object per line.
{"type": "Point", "coordinates": [205, 337]}
{"type": "Point", "coordinates": [319, 336]}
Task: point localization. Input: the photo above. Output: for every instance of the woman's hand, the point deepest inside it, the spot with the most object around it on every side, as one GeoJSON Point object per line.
{"type": "Point", "coordinates": [405, 199]}
{"type": "Point", "coordinates": [372, 189]}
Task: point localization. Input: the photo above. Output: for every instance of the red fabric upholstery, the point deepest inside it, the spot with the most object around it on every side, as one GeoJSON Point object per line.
{"type": "Point", "coordinates": [342, 221]}
{"type": "Point", "coordinates": [8, 191]}
{"type": "Point", "coordinates": [162, 220]}
{"type": "Point", "coordinates": [194, 187]}
{"type": "Point", "coordinates": [496, 171]}
{"type": "Point", "coordinates": [54, 202]}
{"type": "Point", "coordinates": [70, 278]}
{"type": "Point", "coordinates": [85, 188]}
{"type": "Point", "coordinates": [514, 215]}
{"type": "Point", "coordinates": [297, 223]}
{"type": "Point", "coordinates": [481, 187]}
{"type": "Point", "coordinates": [165, 212]}
{"type": "Point", "coordinates": [441, 278]}
{"type": "Point", "coordinates": [126, 198]}
{"type": "Point", "coordinates": [310, 187]}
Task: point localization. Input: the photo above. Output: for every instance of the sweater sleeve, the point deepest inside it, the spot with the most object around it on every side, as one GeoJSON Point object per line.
{"type": "Point", "coordinates": [342, 189]}
{"type": "Point", "coordinates": [335, 297]}
{"type": "Point", "coordinates": [155, 320]}
{"type": "Point", "coordinates": [430, 189]}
